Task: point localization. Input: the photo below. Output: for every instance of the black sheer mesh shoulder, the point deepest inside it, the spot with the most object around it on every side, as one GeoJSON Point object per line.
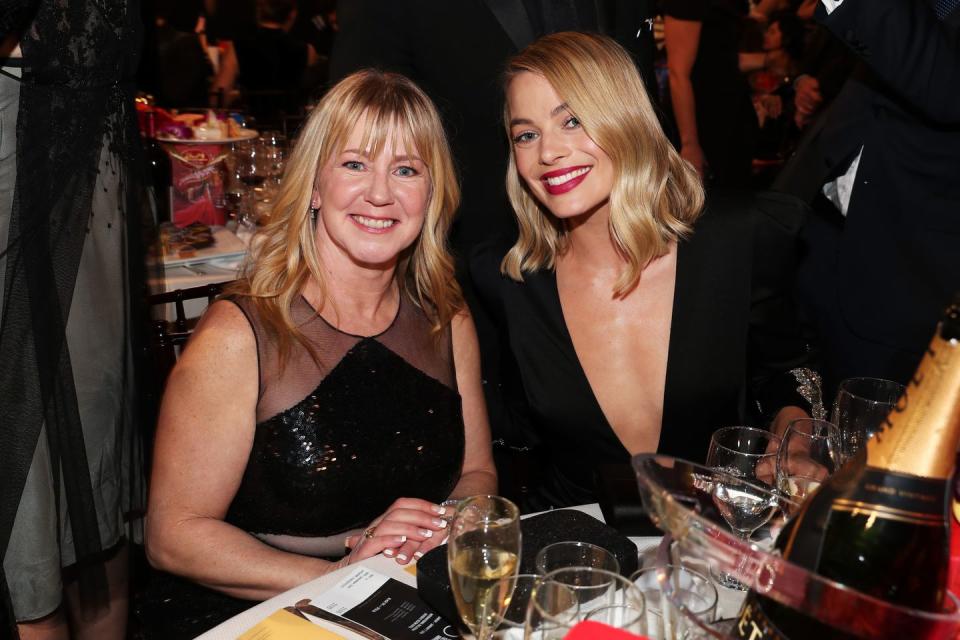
{"type": "Point", "coordinates": [340, 438]}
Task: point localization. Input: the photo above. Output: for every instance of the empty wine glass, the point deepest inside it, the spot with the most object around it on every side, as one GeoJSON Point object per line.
{"type": "Point", "coordinates": [690, 590]}
{"type": "Point", "coordinates": [808, 454]}
{"type": "Point", "coordinates": [861, 405]}
{"type": "Point", "coordinates": [484, 547]}
{"type": "Point", "coordinates": [747, 459]}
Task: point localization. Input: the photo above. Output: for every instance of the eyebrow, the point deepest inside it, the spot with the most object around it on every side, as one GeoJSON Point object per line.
{"type": "Point", "coordinates": [560, 108]}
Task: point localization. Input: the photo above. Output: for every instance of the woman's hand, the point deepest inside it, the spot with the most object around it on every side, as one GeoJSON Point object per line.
{"type": "Point", "coordinates": [407, 530]}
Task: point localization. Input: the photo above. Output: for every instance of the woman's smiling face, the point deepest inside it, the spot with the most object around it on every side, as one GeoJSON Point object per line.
{"type": "Point", "coordinates": [564, 169]}
{"type": "Point", "coordinates": [371, 208]}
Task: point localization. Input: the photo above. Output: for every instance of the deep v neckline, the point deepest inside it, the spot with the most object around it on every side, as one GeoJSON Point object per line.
{"type": "Point", "coordinates": [678, 303]}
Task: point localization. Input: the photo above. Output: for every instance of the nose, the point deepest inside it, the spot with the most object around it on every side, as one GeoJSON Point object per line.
{"type": "Point", "coordinates": [378, 191]}
{"type": "Point", "coordinates": [552, 148]}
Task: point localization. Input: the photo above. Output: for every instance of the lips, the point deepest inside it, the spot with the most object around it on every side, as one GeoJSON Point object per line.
{"type": "Point", "coordinates": [564, 180]}
{"type": "Point", "coordinates": [373, 225]}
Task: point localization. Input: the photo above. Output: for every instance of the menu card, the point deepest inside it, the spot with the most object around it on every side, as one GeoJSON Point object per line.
{"type": "Point", "coordinates": [377, 602]}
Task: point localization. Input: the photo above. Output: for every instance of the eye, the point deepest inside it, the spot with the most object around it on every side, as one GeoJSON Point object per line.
{"type": "Point", "coordinates": [573, 122]}
{"type": "Point", "coordinates": [525, 136]}
{"type": "Point", "coordinates": [406, 172]}
{"type": "Point", "coordinates": [353, 165]}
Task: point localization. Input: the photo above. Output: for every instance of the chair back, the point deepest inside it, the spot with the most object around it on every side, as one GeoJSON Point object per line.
{"type": "Point", "coordinates": [168, 337]}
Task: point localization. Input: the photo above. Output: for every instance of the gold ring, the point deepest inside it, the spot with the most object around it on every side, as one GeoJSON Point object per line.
{"type": "Point", "coordinates": [368, 532]}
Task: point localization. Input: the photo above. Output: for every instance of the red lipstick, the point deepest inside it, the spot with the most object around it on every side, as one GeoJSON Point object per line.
{"type": "Point", "coordinates": [567, 185]}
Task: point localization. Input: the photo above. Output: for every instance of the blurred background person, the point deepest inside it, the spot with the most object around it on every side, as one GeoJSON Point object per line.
{"type": "Point", "coordinates": [880, 167]}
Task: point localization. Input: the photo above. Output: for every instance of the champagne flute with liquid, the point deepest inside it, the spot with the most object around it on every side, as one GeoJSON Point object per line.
{"type": "Point", "coordinates": [484, 547]}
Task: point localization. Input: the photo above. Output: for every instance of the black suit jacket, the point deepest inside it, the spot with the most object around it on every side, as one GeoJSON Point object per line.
{"type": "Point", "coordinates": [734, 336]}
{"type": "Point", "coordinates": [456, 51]}
{"type": "Point", "coordinates": [898, 251]}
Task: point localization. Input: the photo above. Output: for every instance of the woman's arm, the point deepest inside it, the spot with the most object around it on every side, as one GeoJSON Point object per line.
{"type": "Point", "coordinates": [204, 437]}
{"type": "Point", "coordinates": [682, 38]}
{"type": "Point", "coordinates": [479, 474]}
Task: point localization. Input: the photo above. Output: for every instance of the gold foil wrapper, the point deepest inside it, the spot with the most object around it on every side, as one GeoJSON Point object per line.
{"type": "Point", "coordinates": [920, 435]}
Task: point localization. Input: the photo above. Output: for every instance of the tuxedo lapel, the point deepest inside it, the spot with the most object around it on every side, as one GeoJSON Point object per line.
{"type": "Point", "coordinates": [513, 18]}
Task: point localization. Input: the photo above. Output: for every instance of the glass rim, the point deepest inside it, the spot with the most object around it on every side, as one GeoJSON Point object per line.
{"type": "Point", "coordinates": [842, 387]}
{"type": "Point", "coordinates": [769, 434]}
{"type": "Point", "coordinates": [513, 511]}
{"type": "Point", "coordinates": [641, 614]}
{"type": "Point", "coordinates": [541, 554]}
{"type": "Point", "coordinates": [675, 518]}
{"type": "Point", "coordinates": [830, 427]}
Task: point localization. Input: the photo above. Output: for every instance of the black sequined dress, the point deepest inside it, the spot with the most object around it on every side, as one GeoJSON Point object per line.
{"type": "Point", "coordinates": [336, 442]}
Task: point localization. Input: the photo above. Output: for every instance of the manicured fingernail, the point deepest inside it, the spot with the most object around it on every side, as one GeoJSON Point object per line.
{"type": "Point", "coordinates": [426, 533]}
{"type": "Point", "coordinates": [445, 538]}
{"type": "Point", "coordinates": [418, 554]}
{"type": "Point", "coordinates": [439, 509]}
{"type": "Point", "coordinates": [403, 539]}
{"type": "Point", "coordinates": [440, 522]}
{"type": "Point", "coordinates": [401, 556]}
{"type": "Point", "coordinates": [389, 552]}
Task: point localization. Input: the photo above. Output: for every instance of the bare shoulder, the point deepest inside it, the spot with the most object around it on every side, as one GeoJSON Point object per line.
{"type": "Point", "coordinates": [222, 341]}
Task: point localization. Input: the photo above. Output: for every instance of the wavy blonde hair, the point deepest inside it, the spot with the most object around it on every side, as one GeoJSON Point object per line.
{"type": "Point", "coordinates": [656, 195]}
{"type": "Point", "coordinates": [286, 254]}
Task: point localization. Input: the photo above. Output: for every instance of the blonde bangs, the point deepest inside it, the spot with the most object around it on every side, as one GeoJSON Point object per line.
{"type": "Point", "coordinates": [656, 195]}
{"type": "Point", "coordinates": [285, 256]}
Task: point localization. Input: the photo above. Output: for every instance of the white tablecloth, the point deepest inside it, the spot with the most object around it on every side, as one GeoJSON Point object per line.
{"type": "Point", "coordinates": [728, 606]}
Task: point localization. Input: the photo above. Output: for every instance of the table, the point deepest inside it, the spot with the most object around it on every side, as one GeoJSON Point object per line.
{"type": "Point", "coordinates": [728, 606]}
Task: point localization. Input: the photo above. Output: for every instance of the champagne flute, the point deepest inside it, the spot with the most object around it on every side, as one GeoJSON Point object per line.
{"type": "Point", "coordinates": [746, 458]}
{"type": "Point", "coordinates": [861, 405]}
{"type": "Point", "coordinates": [484, 547]}
{"type": "Point", "coordinates": [808, 454]}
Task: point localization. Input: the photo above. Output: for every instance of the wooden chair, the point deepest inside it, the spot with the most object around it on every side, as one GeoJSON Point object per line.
{"type": "Point", "coordinates": [167, 337]}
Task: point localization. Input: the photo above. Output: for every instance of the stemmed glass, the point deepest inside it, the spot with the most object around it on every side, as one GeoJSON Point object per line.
{"type": "Point", "coordinates": [808, 454]}
{"type": "Point", "coordinates": [860, 407]}
{"type": "Point", "coordinates": [484, 547]}
{"type": "Point", "coordinates": [567, 596]}
{"type": "Point", "coordinates": [747, 459]}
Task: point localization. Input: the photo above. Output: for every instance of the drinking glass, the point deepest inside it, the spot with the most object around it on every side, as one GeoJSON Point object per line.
{"type": "Point", "coordinates": [710, 630]}
{"type": "Point", "coordinates": [808, 454]}
{"type": "Point", "coordinates": [860, 407]}
{"type": "Point", "coordinates": [596, 588]}
{"type": "Point", "coordinates": [621, 616]}
{"type": "Point", "coordinates": [746, 458]}
{"type": "Point", "coordinates": [251, 165]}
{"type": "Point", "coordinates": [690, 591]}
{"type": "Point", "coordinates": [552, 611]}
{"type": "Point", "coordinates": [484, 547]}
{"type": "Point", "coordinates": [561, 555]}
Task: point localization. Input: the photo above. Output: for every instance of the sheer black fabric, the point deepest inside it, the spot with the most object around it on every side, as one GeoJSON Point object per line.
{"type": "Point", "coordinates": [76, 120]}
{"type": "Point", "coordinates": [337, 440]}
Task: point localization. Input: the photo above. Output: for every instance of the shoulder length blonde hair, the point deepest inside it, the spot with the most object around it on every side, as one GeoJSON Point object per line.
{"type": "Point", "coordinates": [286, 256]}
{"type": "Point", "coordinates": [656, 195]}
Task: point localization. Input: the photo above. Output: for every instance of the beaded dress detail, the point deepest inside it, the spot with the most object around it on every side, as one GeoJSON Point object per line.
{"type": "Point", "coordinates": [339, 439]}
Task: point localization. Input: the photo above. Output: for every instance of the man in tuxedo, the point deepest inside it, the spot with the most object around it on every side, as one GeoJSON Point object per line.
{"type": "Point", "coordinates": [882, 167]}
{"type": "Point", "coordinates": [456, 50]}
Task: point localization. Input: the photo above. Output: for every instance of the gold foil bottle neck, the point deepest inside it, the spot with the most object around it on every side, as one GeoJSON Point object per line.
{"type": "Point", "coordinates": [920, 435]}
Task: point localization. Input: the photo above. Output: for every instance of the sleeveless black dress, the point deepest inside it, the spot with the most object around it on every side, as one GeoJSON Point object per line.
{"type": "Point", "coordinates": [337, 440]}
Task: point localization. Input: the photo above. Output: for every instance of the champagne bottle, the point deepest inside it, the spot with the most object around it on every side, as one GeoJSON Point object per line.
{"type": "Point", "coordinates": [880, 525]}
{"type": "Point", "coordinates": [158, 165]}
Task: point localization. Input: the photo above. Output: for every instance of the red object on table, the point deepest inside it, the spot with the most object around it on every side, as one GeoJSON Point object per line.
{"type": "Point", "coordinates": [589, 630]}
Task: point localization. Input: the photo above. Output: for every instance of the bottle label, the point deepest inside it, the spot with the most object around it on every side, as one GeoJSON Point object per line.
{"type": "Point", "coordinates": [753, 623]}
{"type": "Point", "coordinates": [894, 496]}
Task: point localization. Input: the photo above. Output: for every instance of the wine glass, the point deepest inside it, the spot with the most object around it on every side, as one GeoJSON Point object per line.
{"type": "Point", "coordinates": [690, 590]}
{"type": "Point", "coordinates": [520, 587]}
{"type": "Point", "coordinates": [484, 547]}
{"type": "Point", "coordinates": [860, 406]}
{"type": "Point", "coordinates": [567, 596]}
{"type": "Point", "coordinates": [808, 454]}
{"type": "Point", "coordinates": [251, 165]}
{"type": "Point", "coordinates": [746, 458]}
